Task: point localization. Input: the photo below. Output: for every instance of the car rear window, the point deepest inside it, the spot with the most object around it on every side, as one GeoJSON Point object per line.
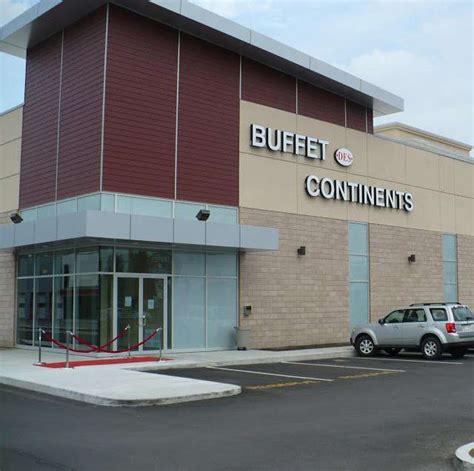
{"type": "Point", "coordinates": [462, 314]}
{"type": "Point", "coordinates": [439, 314]}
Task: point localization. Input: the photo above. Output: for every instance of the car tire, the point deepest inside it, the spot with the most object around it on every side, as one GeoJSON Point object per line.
{"type": "Point", "coordinates": [365, 346]}
{"type": "Point", "coordinates": [431, 348]}
{"type": "Point", "coordinates": [458, 353]}
{"type": "Point", "coordinates": [392, 351]}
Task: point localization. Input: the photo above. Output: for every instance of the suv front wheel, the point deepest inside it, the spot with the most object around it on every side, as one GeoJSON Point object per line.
{"type": "Point", "coordinates": [431, 348]}
{"type": "Point", "coordinates": [365, 346]}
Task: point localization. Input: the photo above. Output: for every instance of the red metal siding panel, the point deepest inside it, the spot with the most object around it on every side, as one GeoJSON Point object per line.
{"type": "Point", "coordinates": [266, 86]}
{"type": "Point", "coordinates": [370, 120]}
{"type": "Point", "coordinates": [356, 117]}
{"type": "Point", "coordinates": [208, 132]}
{"type": "Point", "coordinates": [40, 123]}
{"type": "Point", "coordinates": [320, 104]}
{"type": "Point", "coordinates": [81, 106]}
{"type": "Point", "coordinates": [140, 118]}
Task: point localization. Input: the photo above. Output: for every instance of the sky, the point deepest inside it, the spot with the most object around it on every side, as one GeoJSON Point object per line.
{"type": "Point", "coordinates": [421, 50]}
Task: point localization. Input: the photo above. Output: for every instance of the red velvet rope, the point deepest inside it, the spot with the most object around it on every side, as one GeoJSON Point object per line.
{"type": "Point", "coordinates": [101, 348]}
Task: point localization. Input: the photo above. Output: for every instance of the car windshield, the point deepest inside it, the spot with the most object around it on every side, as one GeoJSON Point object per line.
{"type": "Point", "coordinates": [462, 314]}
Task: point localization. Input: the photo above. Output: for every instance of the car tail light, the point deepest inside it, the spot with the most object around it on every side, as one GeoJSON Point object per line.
{"type": "Point", "coordinates": [450, 327]}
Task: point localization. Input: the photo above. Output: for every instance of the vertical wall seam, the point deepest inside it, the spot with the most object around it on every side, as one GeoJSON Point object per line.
{"type": "Point", "coordinates": [296, 98]}
{"type": "Point", "coordinates": [345, 112]}
{"type": "Point", "coordinates": [240, 78]}
{"type": "Point", "coordinates": [58, 129]}
{"type": "Point", "coordinates": [177, 118]}
{"type": "Point", "coordinates": [102, 137]}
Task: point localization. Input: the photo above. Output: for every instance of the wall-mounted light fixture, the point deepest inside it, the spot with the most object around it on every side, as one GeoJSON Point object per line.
{"type": "Point", "coordinates": [247, 311]}
{"type": "Point", "coordinates": [16, 218]}
{"type": "Point", "coordinates": [301, 250]}
{"type": "Point", "coordinates": [412, 258]}
{"type": "Point", "coordinates": [203, 215]}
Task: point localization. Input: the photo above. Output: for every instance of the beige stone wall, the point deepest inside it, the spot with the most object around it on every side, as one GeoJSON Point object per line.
{"type": "Point", "coordinates": [442, 187]}
{"type": "Point", "coordinates": [466, 270]}
{"type": "Point", "coordinates": [393, 280]}
{"type": "Point", "coordinates": [296, 300]}
{"type": "Point", "coordinates": [10, 152]}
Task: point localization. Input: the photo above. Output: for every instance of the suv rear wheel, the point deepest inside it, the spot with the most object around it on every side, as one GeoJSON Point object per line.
{"type": "Point", "coordinates": [431, 348]}
{"type": "Point", "coordinates": [365, 346]}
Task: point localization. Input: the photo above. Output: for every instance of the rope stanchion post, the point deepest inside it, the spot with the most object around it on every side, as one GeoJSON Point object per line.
{"type": "Point", "coordinates": [69, 334]}
{"type": "Point", "coordinates": [160, 330]}
{"type": "Point", "coordinates": [40, 341]}
{"type": "Point", "coordinates": [128, 339]}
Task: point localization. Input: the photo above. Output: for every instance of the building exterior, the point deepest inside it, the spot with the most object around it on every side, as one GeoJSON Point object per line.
{"type": "Point", "coordinates": [138, 115]}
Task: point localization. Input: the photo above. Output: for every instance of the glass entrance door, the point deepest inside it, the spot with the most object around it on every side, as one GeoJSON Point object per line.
{"type": "Point", "coordinates": [141, 303]}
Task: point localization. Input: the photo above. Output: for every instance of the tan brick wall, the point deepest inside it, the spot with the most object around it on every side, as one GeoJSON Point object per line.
{"type": "Point", "coordinates": [296, 300]}
{"type": "Point", "coordinates": [7, 293]}
{"type": "Point", "coordinates": [394, 281]}
{"type": "Point", "coordinates": [466, 270]}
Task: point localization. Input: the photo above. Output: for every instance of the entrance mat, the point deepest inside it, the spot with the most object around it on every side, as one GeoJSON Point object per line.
{"type": "Point", "coordinates": [102, 361]}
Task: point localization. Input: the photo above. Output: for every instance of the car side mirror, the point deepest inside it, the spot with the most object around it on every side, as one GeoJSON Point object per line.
{"type": "Point", "coordinates": [381, 322]}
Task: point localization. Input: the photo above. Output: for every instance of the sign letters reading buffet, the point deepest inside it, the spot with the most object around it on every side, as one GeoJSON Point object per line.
{"type": "Point", "coordinates": [276, 140]}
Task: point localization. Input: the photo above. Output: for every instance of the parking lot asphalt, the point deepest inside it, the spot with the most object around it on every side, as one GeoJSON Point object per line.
{"type": "Point", "coordinates": [381, 413]}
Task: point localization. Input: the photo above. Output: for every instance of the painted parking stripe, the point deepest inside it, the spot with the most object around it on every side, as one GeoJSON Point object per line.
{"type": "Point", "coordinates": [430, 362]}
{"type": "Point", "coordinates": [270, 374]}
{"type": "Point", "coordinates": [343, 366]}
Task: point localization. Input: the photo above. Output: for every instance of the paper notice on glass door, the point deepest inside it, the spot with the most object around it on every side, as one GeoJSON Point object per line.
{"type": "Point", "coordinates": [128, 301]}
{"type": "Point", "coordinates": [151, 304]}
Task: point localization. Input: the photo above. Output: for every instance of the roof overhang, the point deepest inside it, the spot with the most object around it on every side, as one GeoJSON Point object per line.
{"type": "Point", "coordinates": [51, 16]}
{"type": "Point", "coordinates": [125, 228]}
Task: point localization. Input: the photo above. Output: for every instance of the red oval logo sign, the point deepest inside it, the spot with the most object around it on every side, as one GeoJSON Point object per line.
{"type": "Point", "coordinates": [344, 157]}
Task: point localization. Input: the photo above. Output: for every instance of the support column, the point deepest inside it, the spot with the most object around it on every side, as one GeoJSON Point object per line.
{"type": "Point", "coordinates": [7, 298]}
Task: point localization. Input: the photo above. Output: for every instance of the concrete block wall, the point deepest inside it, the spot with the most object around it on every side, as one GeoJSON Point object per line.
{"type": "Point", "coordinates": [466, 270]}
{"type": "Point", "coordinates": [394, 281]}
{"type": "Point", "coordinates": [7, 294]}
{"type": "Point", "coordinates": [296, 300]}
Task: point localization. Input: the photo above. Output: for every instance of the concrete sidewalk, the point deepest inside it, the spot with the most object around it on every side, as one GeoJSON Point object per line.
{"type": "Point", "coordinates": [130, 384]}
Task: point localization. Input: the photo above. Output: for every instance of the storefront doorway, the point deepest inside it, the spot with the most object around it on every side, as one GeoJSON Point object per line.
{"type": "Point", "coordinates": [141, 302]}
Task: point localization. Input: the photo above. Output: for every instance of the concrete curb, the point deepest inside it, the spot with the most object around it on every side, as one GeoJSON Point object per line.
{"type": "Point", "coordinates": [230, 390]}
{"type": "Point", "coordinates": [463, 460]}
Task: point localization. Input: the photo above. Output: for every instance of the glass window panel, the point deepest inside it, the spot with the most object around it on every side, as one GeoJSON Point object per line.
{"type": "Point", "coordinates": [358, 304]}
{"type": "Point", "coordinates": [64, 262]}
{"type": "Point", "coordinates": [87, 260]}
{"type": "Point", "coordinates": [187, 210]}
{"type": "Point", "coordinates": [88, 202]}
{"type": "Point", "coordinates": [65, 207]}
{"type": "Point", "coordinates": [63, 306]}
{"type": "Point", "coordinates": [106, 259]}
{"type": "Point", "coordinates": [449, 247]}
{"type": "Point", "coordinates": [449, 272]}
{"type": "Point", "coordinates": [29, 215]}
{"type": "Point", "coordinates": [221, 312]}
{"type": "Point", "coordinates": [359, 267]}
{"type": "Point", "coordinates": [358, 239]}
{"type": "Point", "coordinates": [24, 326]}
{"type": "Point", "coordinates": [43, 306]}
{"type": "Point", "coordinates": [189, 263]}
{"type": "Point", "coordinates": [124, 204]}
{"type": "Point", "coordinates": [26, 265]}
{"type": "Point", "coordinates": [151, 207]}
{"type": "Point", "coordinates": [450, 293]}
{"type": "Point", "coordinates": [44, 263]}
{"type": "Point", "coordinates": [143, 261]}
{"type": "Point", "coordinates": [94, 308]}
{"type": "Point", "coordinates": [223, 215]}
{"type": "Point", "coordinates": [221, 264]}
{"type": "Point", "coordinates": [46, 211]}
{"type": "Point", "coordinates": [189, 313]}
{"type": "Point", "coordinates": [107, 202]}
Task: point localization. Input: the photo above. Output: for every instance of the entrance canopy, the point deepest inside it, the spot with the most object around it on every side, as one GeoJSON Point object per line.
{"type": "Point", "coordinates": [132, 228]}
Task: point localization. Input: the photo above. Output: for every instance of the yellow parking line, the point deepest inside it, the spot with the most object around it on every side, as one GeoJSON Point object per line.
{"type": "Point", "coordinates": [280, 385]}
{"type": "Point", "coordinates": [368, 375]}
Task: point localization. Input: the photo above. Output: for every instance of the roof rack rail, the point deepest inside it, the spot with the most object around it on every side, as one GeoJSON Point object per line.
{"type": "Point", "coordinates": [432, 304]}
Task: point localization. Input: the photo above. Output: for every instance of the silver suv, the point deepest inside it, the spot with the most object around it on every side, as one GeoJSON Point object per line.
{"type": "Point", "coordinates": [432, 328]}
